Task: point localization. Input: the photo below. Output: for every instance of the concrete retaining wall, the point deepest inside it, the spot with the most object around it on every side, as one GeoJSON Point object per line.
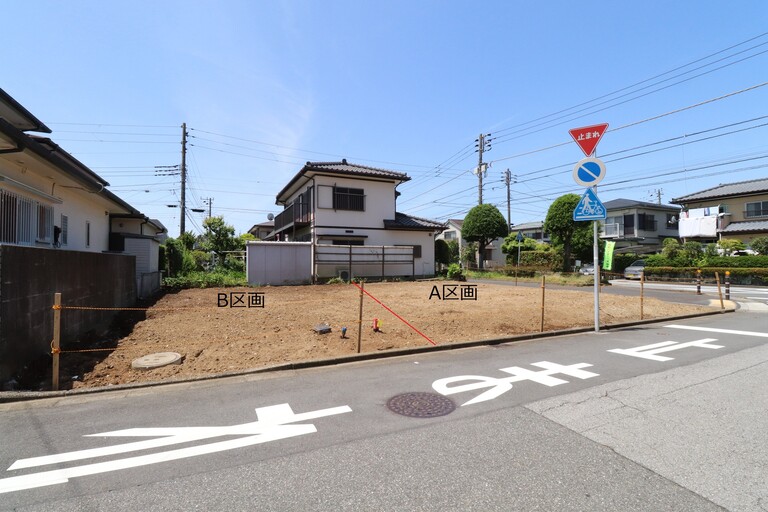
{"type": "Point", "coordinates": [30, 276]}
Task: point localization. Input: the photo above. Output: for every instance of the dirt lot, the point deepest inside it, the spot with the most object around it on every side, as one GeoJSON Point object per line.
{"type": "Point", "coordinates": [216, 339]}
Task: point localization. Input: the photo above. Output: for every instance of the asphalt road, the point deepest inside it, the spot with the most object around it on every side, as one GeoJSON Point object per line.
{"type": "Point", "coordinates": [667, 416]}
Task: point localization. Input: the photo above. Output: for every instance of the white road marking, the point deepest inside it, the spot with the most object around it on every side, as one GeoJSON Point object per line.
{"type": "Point", "coordinates": [724, 331]}
{"type": "Point", "coordinates": [273, 424]}
{"type": "Point", "coordinates": [651, 351]}
{"type": "Point", "coordinates": [501, 386]}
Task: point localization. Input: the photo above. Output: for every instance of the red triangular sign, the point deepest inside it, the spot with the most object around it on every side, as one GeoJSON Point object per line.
{"type": "Point", "coordinates": [588, 137]}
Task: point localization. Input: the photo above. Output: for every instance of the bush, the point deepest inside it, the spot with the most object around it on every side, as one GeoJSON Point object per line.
{"type": "Point", "coordinates": [198, 279]}
{"type": "Point", "coordinates": [202, 259]}
{"type": "Point", "coordinates": [737, 262]}
{"type": "Point", "coordinates": [760, 244]}
{"type": "Point", "coordinates": [543, 259]}
{"type": "Point", "coordinates": [455, 273]}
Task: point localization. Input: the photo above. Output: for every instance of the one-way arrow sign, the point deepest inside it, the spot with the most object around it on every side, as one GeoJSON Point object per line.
{"type": "Point", "coordinates": [588, 137]}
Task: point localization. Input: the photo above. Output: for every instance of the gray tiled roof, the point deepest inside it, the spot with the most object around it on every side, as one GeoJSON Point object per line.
{"type": "Point", "coordinates": [404, 221]}
{"type": "Point", "coordinates": [747, 227]}
{"type": "Point", "coordinates": [620, 204]}
{"type": "Point", "coordinates": [346, 169]}
{"type": "Point", "coordinates": [727, 190]}
{"type": "Point", "coordinates": [528, 225]}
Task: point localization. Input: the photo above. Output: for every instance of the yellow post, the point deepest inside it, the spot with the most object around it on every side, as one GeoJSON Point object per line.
{"type": "Point", "coordinates": [360, 318]}
{"type": "Point", "coordinates": [642, 292]}
{"type": "Point", "coordinates": [542, 302]}
{"type": "Point", "coordinates": [56, 343]}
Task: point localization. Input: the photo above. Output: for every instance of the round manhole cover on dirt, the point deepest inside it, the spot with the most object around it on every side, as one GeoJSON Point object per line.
{"type": "Point", "coordinates": [156, 360]}
{"type": "Point", "coordinates": [421, 405]}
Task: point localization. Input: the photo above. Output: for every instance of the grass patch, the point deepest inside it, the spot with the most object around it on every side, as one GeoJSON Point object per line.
{"type": "Point", "coordinates": [561, 278]}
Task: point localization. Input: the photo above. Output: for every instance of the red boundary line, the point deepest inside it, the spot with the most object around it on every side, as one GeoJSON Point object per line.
{"type": "Point", "coordinates": [398, 316]}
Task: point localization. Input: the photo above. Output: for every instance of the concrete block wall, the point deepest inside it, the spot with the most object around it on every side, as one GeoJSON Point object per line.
{"type": "Point", "coordinates": [29, 278]}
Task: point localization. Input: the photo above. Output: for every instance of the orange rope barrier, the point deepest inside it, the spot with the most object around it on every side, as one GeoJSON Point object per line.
{"type": "Point", "coordinates": [398, 316]}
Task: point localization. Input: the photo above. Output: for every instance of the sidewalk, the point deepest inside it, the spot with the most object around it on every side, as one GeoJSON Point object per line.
{"type": "Point", "coordinates": [702, 426]}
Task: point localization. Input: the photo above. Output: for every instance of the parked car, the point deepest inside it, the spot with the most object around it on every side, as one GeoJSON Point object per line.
{"type": "Point", "coordinates": [587, 270]}
{"type": "Point", "coordinates": [635, 270]}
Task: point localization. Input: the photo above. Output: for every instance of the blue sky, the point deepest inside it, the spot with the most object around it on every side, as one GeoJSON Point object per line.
{"type": "Point", "coordinates": [265, 86]}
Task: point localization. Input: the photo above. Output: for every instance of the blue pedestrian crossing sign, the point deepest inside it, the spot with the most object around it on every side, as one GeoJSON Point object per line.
{"type": "Point", "coordinates": [589, 208]}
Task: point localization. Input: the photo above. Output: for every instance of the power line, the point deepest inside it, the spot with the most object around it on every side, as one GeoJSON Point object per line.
{"type": "Point", "coordinates": [641, 82]}
{"type": "Point", "coordinates": [635, 123]}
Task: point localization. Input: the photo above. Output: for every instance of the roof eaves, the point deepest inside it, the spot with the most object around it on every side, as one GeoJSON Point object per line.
{"type": "Point", "coordinates": [7, 103]}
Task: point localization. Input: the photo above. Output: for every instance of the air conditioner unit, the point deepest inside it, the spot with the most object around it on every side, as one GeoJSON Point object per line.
{"type": "Point", "coordinates": [344, 274]}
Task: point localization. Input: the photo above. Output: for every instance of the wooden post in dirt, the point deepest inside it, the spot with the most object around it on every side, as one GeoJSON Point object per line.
{"type": "Point", "coordinates": [542, 302]}
{"type": "Point", "coordinates": [719, 291]}
{"type": "Point", "coordinates": [56, 343]}
{"type": "Point", "coordinates": [360, 318]}
{"type": "Point", "coordinates": [642, 292]}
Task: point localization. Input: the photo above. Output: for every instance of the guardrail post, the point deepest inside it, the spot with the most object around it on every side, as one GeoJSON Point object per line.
{"type": "Point", "coordinates": [56, 343]}
{"type": "Point", "coordinates": [698, 282]}
{"type": "Point", "coordinates": [727, 285]}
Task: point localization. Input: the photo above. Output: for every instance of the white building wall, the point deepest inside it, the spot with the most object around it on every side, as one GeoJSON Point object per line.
{"type": "Point", "coordinates": [379, 203]}
{"type": "Point", "coordinates": [278, 263]}
{"type": "Point", "coordinates": [71, 202]}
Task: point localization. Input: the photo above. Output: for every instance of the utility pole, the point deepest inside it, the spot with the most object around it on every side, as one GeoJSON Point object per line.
{"type": "Point", "coordinates": [508, 182]}
{"type": "Point", "coordinates": [183, 212]}
{"type": "Point", "coordinates": [480, 143]}
{"type": "Point", "coordinates": [658, 194]}
{"type": "Point", "coordinates": [209, 202]}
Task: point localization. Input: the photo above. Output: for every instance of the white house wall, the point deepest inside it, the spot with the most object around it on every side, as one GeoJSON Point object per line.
{"type": "Point", "coordinates": [379, 203]}
{"type": "Point", "coordinates": [79, 215]}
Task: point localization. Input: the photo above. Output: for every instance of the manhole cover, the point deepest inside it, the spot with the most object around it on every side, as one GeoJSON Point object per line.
{"type": "Point", "coordinates": [421, 405]}
{"type": "Point", "coordinates": [156, 360]}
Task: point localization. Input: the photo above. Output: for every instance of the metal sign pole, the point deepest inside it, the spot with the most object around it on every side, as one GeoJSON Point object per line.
{"type": "Point", "coordinates": [596, 258]}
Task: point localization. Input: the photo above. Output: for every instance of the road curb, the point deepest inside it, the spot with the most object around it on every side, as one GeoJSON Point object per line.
{"type": "Point", "coordinates": [19, 396]}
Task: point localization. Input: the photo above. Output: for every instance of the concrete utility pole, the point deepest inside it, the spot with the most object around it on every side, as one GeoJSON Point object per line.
{"type": "Point", "coordinates": [481, 143]}
{"type": "Point", "coordinates": [209, 202]}
{"type": "Point", "coordinates": [508, 182]}
{"type": "Point", "coordinates": [183, 212]}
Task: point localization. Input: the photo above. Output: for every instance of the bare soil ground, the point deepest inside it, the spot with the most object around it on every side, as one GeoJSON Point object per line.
{"type": "Point", "coordinates": [216, 339]}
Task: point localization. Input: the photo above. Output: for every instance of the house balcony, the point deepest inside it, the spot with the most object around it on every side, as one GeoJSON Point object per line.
{"type": "Point", "coordinates": [294, 216]}
{"type": "Point", "coordinates": [612, 231]}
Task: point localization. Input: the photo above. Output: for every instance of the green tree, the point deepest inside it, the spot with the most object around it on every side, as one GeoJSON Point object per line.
{"type": "Point", "coordinates": [483, 224]}
{"type": "Point", "coordinates": [219, 237]}
{"type": "Point", "coordinates": [243, 240]}
{"type": "Point", "coordinates": [442, 252]}
{"type": "Point", "coordinates": [453, 248]}
{"type": "Point", "coordinates": [729, 245]}
{"type": "Point", "coordinates": [188, 240]}
{"type": "Point", "coordinates": [671, 248]}
{"type": "Point", "coordinates": [565, 232]}
{"type": "Point", "coordinates": [760, 244]}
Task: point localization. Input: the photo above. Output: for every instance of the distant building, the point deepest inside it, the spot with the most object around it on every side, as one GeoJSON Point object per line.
{"type": "Point", "coordinates": [732, 210]}
{"type": "Point", "coordinates": [638, 226]}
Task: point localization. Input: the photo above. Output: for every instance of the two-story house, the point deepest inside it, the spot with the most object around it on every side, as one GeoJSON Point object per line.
{"type": "Point", "coordinates": [732, 210]}
{"type": "Point", "coordinates": [345, 204]}
{"type": "Point", "coordinates": [639, 226]}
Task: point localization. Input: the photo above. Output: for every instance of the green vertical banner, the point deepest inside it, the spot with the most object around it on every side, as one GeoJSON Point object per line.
{"type": "Point", "coordinates": [608, 256]}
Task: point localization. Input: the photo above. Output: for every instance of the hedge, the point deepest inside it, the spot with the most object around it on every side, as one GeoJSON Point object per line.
{"type": "Point", "coordinates": [748, 276]}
